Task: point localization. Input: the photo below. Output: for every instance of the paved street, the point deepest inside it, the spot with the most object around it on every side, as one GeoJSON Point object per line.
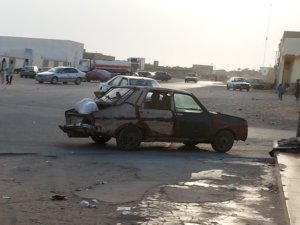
{"type": "Point", "coordinates": [162, 183]}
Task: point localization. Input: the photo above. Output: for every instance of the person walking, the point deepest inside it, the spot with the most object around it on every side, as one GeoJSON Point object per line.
{"type": "Point", "coordinates": [10, 72]}
{"type": "Point", "coordinates": [3, 70]}
{"type": "Point", "coordinates": [297, 91]}
{"type": "Point", "coordinates": [281, 91]}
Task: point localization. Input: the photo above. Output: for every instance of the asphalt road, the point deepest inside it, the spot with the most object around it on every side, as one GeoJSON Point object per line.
{"type": "Point", "coordinates": [162, 183]}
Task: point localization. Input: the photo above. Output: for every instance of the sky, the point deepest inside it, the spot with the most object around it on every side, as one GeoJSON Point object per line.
{"type": "Point", "coordinates": [228, 34]}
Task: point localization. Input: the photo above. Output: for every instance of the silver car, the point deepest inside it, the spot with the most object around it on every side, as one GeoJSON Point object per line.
{"type": "Point", "coordinates": [61, 74]}
{"type": "Point", "coordinates": [238, 83]}
{"type": "Point", "coordinates": [127, 80]}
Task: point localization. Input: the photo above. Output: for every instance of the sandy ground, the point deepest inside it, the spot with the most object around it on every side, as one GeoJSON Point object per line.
{"type": "Point", "coordinates": [163, 183]}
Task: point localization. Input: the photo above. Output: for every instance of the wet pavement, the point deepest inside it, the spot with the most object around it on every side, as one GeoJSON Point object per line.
{"type": "Point", "coordinates": [289, 173]}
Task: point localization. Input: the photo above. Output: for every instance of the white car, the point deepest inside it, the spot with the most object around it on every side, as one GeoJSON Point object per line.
{"type": "Point", "coordinates": [61, 74]}
{"type": "Point", "coordinates": [238, 83]}
{"type": "Point", "coordinates": [127, 81]}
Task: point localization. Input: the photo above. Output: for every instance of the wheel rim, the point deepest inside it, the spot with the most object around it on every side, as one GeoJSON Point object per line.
{"type": "Point", "coordinates": [54, 80]}
{"type": "Point", "coordinates": [77, 81]}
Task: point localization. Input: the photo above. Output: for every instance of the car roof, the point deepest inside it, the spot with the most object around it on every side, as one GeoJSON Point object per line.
{"type": "Point", "coordinates": [150, 88]}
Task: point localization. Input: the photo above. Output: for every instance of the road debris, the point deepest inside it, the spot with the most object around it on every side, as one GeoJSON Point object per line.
{"type": "Point", "coordinates": [86, 204]}
{"type": "Point", "coordinates": [123, 208]}
{"type": "Point", "coordinates": [6, 197]}
{"type": "Point", "coordinates": [231, 187]}
{"type": "Point", "coordinates": [291, 145]}
{"type": "Point", "coordinates": [58, 197]}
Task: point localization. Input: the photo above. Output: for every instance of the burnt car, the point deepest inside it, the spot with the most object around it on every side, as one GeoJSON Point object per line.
{"type": "Point", "coordinates": [146, 114]}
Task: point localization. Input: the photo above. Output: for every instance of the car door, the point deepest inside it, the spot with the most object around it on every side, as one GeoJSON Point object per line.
{"type": "Point", "coordinates": [72, 74]}
{"type": "Point", "coordinates": [191, 119]}
{"type": "Point", "coordinates": [156, 113]}
{"type": "Point", "coordinates": [64, 75]}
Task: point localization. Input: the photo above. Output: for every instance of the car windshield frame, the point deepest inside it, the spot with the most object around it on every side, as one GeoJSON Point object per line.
{"type": "Point", "coordinates": [114, 94]}
{"type": "Point", "coordinates": [56, 70]}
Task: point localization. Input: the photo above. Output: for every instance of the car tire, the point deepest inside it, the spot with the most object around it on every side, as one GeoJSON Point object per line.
{"type": "Point", "coordinates": [54, 80]}
{"type": "Point", "coordinates": [65, 82]}
{"type": "Point", "coordinates": [100, 139]}
{"type": "Point", "coordinates": [227, 87]}
{"type": "Point", "coordinates": [40, 81]}
{"type": "Point", "coordinates": [129, 138]}
{"type": "Point", "coordinates": [223, 141]}
{"type": "Point", "coordinates": [77, 81]}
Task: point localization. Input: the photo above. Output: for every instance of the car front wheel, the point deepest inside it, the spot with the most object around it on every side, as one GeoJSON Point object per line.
{"type": "Point", "coordinates": [77, 81]}
{"type": "Point", "coordinates": [54, 80]}
{"type": "Point", "coordinates": [223, 141]}
{"type": "Point", "coordinates": [129, 138]}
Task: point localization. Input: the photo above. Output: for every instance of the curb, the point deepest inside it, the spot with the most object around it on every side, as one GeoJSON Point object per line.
{"type": "Point", "coordinates": [281, 191]}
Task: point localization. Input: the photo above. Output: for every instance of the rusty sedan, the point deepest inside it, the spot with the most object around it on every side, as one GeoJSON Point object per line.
{"type": "Point", "coordinates": [134, 114]}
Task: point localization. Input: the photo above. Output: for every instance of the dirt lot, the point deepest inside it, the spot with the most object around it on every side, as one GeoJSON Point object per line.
{"type": "Point", "coordinates": [162, 183]}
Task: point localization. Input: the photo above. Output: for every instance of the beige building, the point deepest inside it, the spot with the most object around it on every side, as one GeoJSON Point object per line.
{"type": "Point", "coordinates": [288, 66]}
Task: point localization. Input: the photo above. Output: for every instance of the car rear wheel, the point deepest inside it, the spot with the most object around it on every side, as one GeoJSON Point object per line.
{"type": "Point", "coordinates": [129, 138]}
{"type": "Point", "coordinates": [54, 80]}
{"type": "Point", "coordinates": [77, 81]}
{"type": "Point", "coordinates": [223, 141]}
{"type": "Point", "coordinates": [41, 81]}
{"type": "Point", "coordinates": [100, 139]}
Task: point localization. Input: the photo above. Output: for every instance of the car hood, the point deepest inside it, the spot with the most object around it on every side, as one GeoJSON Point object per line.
{"type": "Point", "coordinates": [238, 125]}
{"type": "Point", "coordinates": [46, 73]}
{"type": "Point", "coordinates": [226, 119]}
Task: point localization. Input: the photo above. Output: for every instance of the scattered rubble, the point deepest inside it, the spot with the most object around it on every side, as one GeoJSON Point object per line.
{"type": "Point", "coordinates": [286, 145]}
{"type": "Point", "coordinates": [87, 204]}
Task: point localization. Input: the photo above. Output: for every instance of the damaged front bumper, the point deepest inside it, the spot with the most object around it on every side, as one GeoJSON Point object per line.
{"type": "Point", "coordinates": [78, 130]}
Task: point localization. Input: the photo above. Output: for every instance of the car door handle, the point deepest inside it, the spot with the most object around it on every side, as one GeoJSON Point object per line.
{"type": "Point", "coordinates": [179, 114]}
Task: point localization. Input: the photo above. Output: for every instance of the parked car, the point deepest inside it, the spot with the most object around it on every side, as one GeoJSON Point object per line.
{"type": "Point", "coordinates": [121, 80]}
{"type": "Point", "coordinates": [29, 71]}
{"type": "Point", "coordinates": [256, 83]}
{"type": "Point", "coordinates": [163, 76]}
{"type": "Point", "coordinates": [98, 75]}
{"type": "Point", "coordinates": [43, 69]}
{"type": "Point", "coordinates": [143, 74]}
{"type": "Point", "coordinates": [146, 114]}
{"type": "Point", "coordinates": [61, 74]}
{"type": "Point", "coordinates": [191, 77]}
{"type": "Point", "coordinates": [238, 83]}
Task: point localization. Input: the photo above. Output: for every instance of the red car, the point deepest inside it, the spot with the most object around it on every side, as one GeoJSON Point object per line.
{"type": "Point", "coordinates": [98, 75]}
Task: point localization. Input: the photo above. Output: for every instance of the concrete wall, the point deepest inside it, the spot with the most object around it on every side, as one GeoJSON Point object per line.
{"type": "Point", "coordinates": [290, 46]}
{"type": "Point", "coordinates": [295, 71]}
{"type": "Point", "coordinates": [37, 50]}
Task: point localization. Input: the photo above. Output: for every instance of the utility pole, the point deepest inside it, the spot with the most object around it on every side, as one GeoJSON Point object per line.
{"type": "Point", "coordinates": [298, 130]}
{"type": "Point", "coordinates": [267, 36]}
